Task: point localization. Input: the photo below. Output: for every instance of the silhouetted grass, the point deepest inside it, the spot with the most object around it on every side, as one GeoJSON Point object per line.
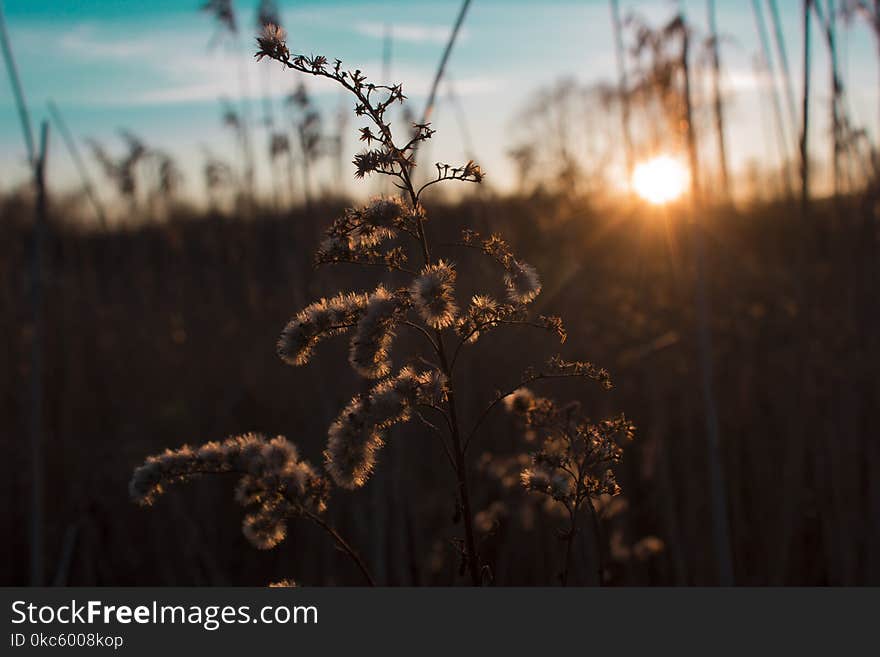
{"type": "Point", "coordinates": [164, 334]}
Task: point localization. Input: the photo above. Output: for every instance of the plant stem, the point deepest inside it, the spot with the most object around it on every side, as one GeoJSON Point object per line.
{"type": "Point", "coordinates": [622, 85]}
{"type": "Point", "coordinates": [721, 530]}
{"type": "Point", "coordinates": [37, 162]}
{"type": "Point", "coordinates": [782, 134]}
{"type": "Point", "coordinates": [21, 104]}
{"type": "Point", "coordinates": [600, 566]}
{"type": "Point", "coordinates": [429, 105]}
{"type": "Point", "coordinates": [39, 328]}
{"type": "Point", "coordinates": [569, 543]}
{"type": "Point", "coordinates": [69, 141]}
{"type": "Point", "coordinates": [717, 102]}
{"type": "Point", "coordinates": [805, 116]}
{"type": "Point", "coordinates": [407, 185]}
{"type": "Point", "coordinates": [290, 175]}
{"type": "Point", "coordinates": [782, 52]}
{"type": "Point", "coordinates": [343, 545]}
{"type": "Point", "coordinates": [473, 560]}
{"type": "Point", "coordinates": [306, 175]}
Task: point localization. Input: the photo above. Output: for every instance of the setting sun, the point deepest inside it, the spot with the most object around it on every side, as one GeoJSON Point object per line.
{"type": "Point", "coordinates": [660, 180]}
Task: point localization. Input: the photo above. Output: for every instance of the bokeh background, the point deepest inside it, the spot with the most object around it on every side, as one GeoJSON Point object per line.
{"type": "Point", "coordinates": [147, 268]}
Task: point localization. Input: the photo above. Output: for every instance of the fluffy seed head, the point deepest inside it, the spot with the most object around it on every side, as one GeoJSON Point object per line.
{"type": "Point", "coordinates": [522, 282]}
{"type": "Point", "coordinates": [482, 314]}
{"type": "Point", "coordinates": [385, 211]}
{"type": "Point", "coordinates": [322, 319]}
{"type": "Point", "coordinates": [647, 547]}
{"type": "Point", "coordinates": [432, 386]}
{"type": "Point", "coordinates": [264, 530]}
{"type": "Point", "coordinates": [536, 479]}
{"type": "Point", "coordinates": [369, 352]}
{"type": "Point", "coordinates": [359, 431]}
{"type": "Point", "coordinates": [520, 402]}
{"type": "Point", "coordinates": [433, 294]}
{"type": "Point", "coordinates": [274, 484]}
{"type": "Point", "coordinates": [352, 443]}
{"type": "Point", "coordinates": [271, 42]}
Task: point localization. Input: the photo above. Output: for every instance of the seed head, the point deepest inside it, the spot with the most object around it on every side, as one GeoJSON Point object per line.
{"type": "Point", "coordinates": [433, 294]}
{"type": "Point", "coordinates": [647, 547]}
{"type": "Point", "coordinates": [264, 530]}
{"type": "Point", "coordinates": [274, 483]}
{"type": "Point", "coordinates": [520, 402]}
{"type": "Point", "coordinates": [522, 282]}
{"type": "Point", "coordinates": [536, 479]}
{"type": "Point", "coordinates": [369, 351]}
{"type": "Point", "coordinates": [322, 319]}
{"type": "Point", "coordinates": [358, 433]}
{"type": "Point", "coordinates": [223, 11]}
{"type": "Point", "coordinates": [271, 42]}
{"type": "Point", "coordinates": [385, 211]}
{"type": "Point", "coordinates": [352, 443]}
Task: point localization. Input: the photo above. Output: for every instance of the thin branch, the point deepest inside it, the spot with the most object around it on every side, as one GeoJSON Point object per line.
{"type": "Point", "coordinates": [444, 173]}
{"type": "Point", "coordinates": [622, 85]}
{"type": "Point", "coordinates": [442, 412]}
{"type": "Point", "coordinates": [421, 330]}
{"type": "Point", "coordinates": [443, 442]}
{"type": "Point", "coordinates": [808, 5]}
{"type": "Point", "coordinates": [488, 325]}
{"type": "Point", "coordinates": [569, 542]}
{"type": "Point", "coordinates": [600, 566]}
{"type": "Point", "coordinates": [527, 380]}
{"type": "Point", "coordinates": [432, 95]}
{"type": "Point", "coordinates": [69, 141]}
{"type": "Point", "coordinates": [23, 114]}
{"type": "Point", "coordinates": [384, 265]}
{"type": "Point", "coordinates": [341, 542]}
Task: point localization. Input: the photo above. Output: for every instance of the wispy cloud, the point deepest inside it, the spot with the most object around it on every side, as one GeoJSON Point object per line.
{"type": "Point", "coordinates": [174, 68]}
{"type": "Point", "coordinates": [196, 82]}
{"type": "Point", "coordinates": [84, 41]}
{"type": "Point", "coordinates": [411, 32]}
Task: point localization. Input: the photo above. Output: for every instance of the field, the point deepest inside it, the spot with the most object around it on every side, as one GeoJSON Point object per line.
{"type": "Point", "coordinates": [741, 337]}
{"type": "Point", "coordinates": [165, 334]}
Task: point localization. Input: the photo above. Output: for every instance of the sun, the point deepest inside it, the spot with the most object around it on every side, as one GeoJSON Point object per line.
{"type": "Point", "coordinates": [660, 180]}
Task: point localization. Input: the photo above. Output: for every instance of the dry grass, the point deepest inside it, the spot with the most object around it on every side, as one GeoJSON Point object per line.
{"type": "Point", "coordinates": [164, 334]}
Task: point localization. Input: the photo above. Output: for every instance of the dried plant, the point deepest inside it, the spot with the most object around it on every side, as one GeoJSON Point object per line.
{"type": "Point", "coordinates": [277, 140]}
{"type": "Point", "coordinates": [122, 171]}
{"type": "Point", "coordinates": [868, 11]}
{"type": "Point", "coordinates": [233, 119]}
{"type": "Point", "coordinates": [268, 14]}
{"type": "Point", "coordinates": [660, 77]}
{"type": "Point", "coordinates": [392, 234]}
{"type": "Point", "coordinates": [561, 138]}
{"type": "Point", "coordinates": [141, 171]}
{"type": "Point", "coordinates": [219, 176]}
{"type": "Point", "coordinates": [573, 463]}
{"type": "Point", "coordinates": [274, 484]}
{"type": "Point", "coordinates": [239, 120]}
{"type": "Point", "coordinates": [308, 131]}
{"type": "Point", "coordinates": [223, 12]}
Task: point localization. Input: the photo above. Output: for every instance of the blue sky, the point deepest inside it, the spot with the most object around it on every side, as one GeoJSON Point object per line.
{"type": "Point", "coordinates": [145, 66]}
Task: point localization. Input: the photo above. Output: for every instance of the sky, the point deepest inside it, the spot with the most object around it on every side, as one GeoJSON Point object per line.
{"type": "Point", "coordinates": [147, 66]}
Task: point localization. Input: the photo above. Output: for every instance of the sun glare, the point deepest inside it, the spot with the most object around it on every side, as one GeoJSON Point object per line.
{"type": "Point", "coordinates": [660, 180]}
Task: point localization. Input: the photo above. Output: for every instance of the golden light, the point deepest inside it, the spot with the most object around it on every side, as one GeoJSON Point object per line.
{"type": "Point", "coordinates": [660, 180]}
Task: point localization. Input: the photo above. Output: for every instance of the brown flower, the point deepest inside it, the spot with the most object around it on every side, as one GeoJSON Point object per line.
{"type": "Point", "coordinates": [271, 43]}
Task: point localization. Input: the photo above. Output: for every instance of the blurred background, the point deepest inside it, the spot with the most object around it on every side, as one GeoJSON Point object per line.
{"type": "Point", "coordinates": [698, 184]}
